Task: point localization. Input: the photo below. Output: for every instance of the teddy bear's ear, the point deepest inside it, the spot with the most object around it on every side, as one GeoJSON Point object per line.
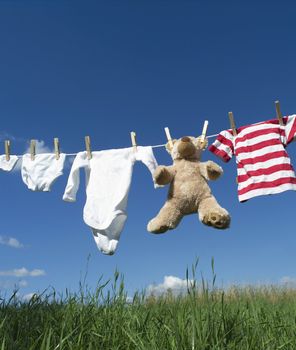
{"type": "Point", "coordinates": [169, 145]}
{"type": "Point", "coordinates": [201, 143]}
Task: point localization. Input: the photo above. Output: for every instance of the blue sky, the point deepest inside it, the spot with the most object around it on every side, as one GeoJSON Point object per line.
{"type": "Point", "coordinates": [75, 68]}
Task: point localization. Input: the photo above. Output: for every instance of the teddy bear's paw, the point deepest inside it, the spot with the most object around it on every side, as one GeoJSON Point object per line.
{"type": "Point", "coordinates": [162, 176]}
{"type": "Point", "coordinates": [155, 227]}
{"type": "Point", "coordinates": [217, 219]}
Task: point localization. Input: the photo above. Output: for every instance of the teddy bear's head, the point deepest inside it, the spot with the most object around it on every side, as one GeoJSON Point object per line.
{"type": "Point", "coordinates": [187, 147]}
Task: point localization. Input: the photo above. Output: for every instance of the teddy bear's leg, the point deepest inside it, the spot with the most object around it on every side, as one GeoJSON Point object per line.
{"type": "Point", "coordinates": [211, 214]}
{"type": "Point", "coordinates": [168, 218]}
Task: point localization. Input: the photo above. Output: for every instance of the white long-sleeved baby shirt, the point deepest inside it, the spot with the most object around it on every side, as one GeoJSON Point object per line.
{"type": "Point", "coordinates": [108, 178]}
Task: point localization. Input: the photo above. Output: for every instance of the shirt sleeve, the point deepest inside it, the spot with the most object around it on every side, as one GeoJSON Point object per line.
{"type": "Point", "coordinates": [223, 146]}
{"type": "Point", "coordinates": [74, 177]}
{"type": "Point", "coordinates": [146, 155]}
{"type": "Point", "coordinates": [290, 128]}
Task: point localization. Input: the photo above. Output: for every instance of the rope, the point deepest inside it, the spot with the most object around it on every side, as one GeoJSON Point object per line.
{"type": "Point", "coordinates": [155, 146]}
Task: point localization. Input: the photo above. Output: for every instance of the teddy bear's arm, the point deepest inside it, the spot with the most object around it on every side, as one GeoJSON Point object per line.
{"type": "Point", "coordinates": [210, 170]}
{"type": "Point", "coordinates": [163, 175]}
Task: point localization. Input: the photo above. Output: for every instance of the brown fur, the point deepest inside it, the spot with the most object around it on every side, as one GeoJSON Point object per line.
{"type": "Point", "coordinates": [189, 191]}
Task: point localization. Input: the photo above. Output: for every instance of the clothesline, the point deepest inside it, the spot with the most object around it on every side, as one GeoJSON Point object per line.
{"type": "Point", "coordinates": [230, 114]}
{"type": "Point", "coordinates": [208, 137]}
{"type": "Point", "coordinates": [155, 146]}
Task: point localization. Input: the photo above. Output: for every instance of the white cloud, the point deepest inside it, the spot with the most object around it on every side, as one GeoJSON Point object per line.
{"type": "Point", "coordinates": [7, 284]}
{"type": "Point", "coordinates": [6, 136]}
{"type": "Point", "coordinates": [23, 283]}
{"type": "Point", "coordinates": [172, 284]}
{"type": "Point", "coordinates": [40, 147]}
{"type": "Point", "coordinates": [287, 280]}
{"type": "Point", "coordinates": [37, 272]}
{"type": "Point", "coordinates": [28, 297]}
{"type": "Point", "coordinates": [22, 272]}
{"type": "Point", "coordinates": [11, 242]}
{"type": "Point", "coordinates": [25, 297]}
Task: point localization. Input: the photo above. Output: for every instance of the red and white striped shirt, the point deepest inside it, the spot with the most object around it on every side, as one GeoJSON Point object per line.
{"type": "Point", "coordinates": [263, 165]}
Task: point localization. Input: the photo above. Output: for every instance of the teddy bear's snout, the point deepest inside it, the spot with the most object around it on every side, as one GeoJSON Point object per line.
{"type": "Point", "coordinates": [186, 148]}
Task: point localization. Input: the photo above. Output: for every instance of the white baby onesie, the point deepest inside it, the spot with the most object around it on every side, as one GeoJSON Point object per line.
{"type": "Point", "coordinates": [108, 178]}
{"type": "Point", "coordinates": [8, 165]}
{"type": "Point", "coordinates": [39, 174]}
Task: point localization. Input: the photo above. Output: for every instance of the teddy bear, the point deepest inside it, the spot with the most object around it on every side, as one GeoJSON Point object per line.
{"type": "Point", "coordinates": [189, 191]}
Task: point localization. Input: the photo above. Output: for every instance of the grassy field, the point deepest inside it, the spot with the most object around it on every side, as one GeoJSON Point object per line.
{"type": "Point", "coordinates": [205, 318]}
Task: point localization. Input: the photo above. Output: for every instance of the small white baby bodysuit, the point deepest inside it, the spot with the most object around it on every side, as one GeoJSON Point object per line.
{"type": "Point", "coordinates": [39, 174]}
{"type": "Point", "coordinates": [108, 178]}
{"type": "Point", "coordinates": [8, 165]}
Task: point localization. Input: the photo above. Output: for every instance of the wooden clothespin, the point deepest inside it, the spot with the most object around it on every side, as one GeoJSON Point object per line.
{"type": "Point", "coordinates": [278, 112]}
{"type": "Point", "coordinates": [168, 135]}
{"type": "Point", "coordinates": [33, 149]}
{"type": "Point", "coordinates": [232, 123]}
{"type": "Point", "coordinates": [204, 131]}
{"type": "Point", "coordinates": [56, 147]}
{"type": "Point", "coordinates": [233, 127]}
{"type": "Point", "coordinates": [7, 149]}
{"type": "Point", "coordinates": [134, 142]}
{"type": "Point", "coordinates": [87, 147]}
{"type": "Point", "coordinates": [202, 138]}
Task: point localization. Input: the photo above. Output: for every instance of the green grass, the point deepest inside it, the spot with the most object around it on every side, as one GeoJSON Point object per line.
{"type": "Point", "coordinates": [205, 318]}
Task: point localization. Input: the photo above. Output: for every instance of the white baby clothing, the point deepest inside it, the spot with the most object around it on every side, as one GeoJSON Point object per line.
{"type": "Point", "coordinates": [108, 178]}
{"type": "Point", "coordinates": [39, 174]}
{"type": "Point", "coordinates": [8, 165]}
